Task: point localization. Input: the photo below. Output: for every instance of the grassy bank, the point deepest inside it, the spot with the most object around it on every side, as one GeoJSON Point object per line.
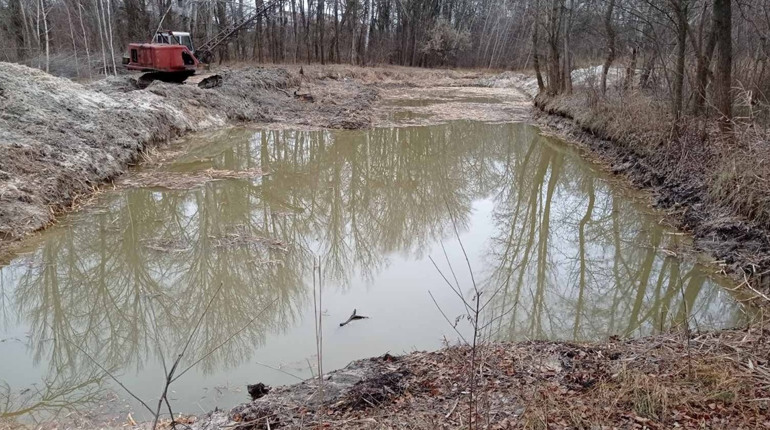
{"type": "Point", "coordinates": [715, 188]}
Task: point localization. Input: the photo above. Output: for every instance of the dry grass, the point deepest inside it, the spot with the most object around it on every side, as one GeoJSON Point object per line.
{"type": "Point", "coordinates": [381, 74]}
{"type": "Point", "coordinates": [184, 180]}
{"type": "Point", "coordinates": [735, 171]}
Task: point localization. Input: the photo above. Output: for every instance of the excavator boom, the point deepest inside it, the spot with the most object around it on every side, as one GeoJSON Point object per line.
{"type": "Point", "coordinates": [205, 51]}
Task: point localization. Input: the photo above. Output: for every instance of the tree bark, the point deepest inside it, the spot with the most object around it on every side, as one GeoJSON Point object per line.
{"type": "Point", "coordinates": [535, 55]}
{"type": "Point", "coordinates": [610, 44]}
{"type": "Point", "coordinates": [72, 37]}
{"type": "Point", "coordinates": [630, 70]}
{"type": "Point", "coordinates": [368, 23]}
{"type": "Point", "coordinates": [47, 36]}
{"type": "Point", "coordinates": [294, 28]}
{"type": "Point", "coordinates": [321, 12]}
{"type": "Point", "coordinates": [335, 48]}
{"type": "Point", "coordinates": [681, 31]}
{"type": "Point", "coordinates": [17, 27]}
{"type": "Point", "coordinates": [723, 75]}
{"type": "Point", "coordinates": [567, 69]}
{"type": "Point", "coordinates": [554, 30]}
{"type": "Point", "coordinates": [702, 72]}
{"type": "Point", "coordinates": [110, 38]}
{"type": "Point", "coordinates": [85, 38]}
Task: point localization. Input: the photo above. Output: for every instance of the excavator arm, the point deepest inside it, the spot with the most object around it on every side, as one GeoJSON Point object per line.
{"type": "Point", "coordinates": [205, 52]}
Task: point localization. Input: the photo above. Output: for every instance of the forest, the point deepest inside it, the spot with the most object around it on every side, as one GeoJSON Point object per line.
{"type": "Point", "coordinates": [606, 161]}
{"type": "Point", "coordinates": [686, 43]}
{"type": "Point", "coordinates": [700, 53]}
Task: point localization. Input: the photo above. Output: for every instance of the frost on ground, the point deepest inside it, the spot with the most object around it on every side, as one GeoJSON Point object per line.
{"type": "Point", "coordinates": [527, 83]}
{"type": "Point", "coordinates": [60, 139]}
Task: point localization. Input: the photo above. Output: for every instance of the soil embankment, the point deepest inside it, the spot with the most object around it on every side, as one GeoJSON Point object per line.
{"type": "Point", "coordinates": [60, 139]}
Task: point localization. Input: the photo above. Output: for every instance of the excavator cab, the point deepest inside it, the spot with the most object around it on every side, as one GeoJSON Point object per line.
{"type": "Point", "coordinates": [175, 38]}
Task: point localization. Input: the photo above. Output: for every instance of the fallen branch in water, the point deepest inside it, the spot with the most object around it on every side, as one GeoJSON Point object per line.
{"type": "Point", "coordinates": [353, 317]}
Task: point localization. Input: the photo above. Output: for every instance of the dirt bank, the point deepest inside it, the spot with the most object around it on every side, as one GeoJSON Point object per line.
{"type": "Point", "coordinates": [716, 381]}
{"type": "Point", "coordinates": [688, 178]}
{"type": "Point", "coordinates": [59, 139]}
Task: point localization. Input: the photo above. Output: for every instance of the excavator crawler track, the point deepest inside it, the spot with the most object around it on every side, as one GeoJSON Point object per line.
{"type": "Point", "coordinates": [205, 80]}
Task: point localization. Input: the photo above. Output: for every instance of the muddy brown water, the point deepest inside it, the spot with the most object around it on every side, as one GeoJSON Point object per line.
{"type": "Point", "coordinates": [561, 251]}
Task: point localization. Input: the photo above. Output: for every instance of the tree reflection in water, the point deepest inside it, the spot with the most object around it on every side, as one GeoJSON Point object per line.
{"type": "Point", "coordinates": [577, 261]}
{"type": "Point", "coordinates": [574, 259]}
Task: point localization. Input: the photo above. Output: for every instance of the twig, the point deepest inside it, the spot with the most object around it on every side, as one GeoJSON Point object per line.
{"type": "Point", "coordinates": [106, 371]}
{"type": "Point", "coordinates": [170, 375]}
{"type": "Point", "coordinates": [454, 327]}
{"type": "Point", "coordinates": [281, 370]}
{"type": "Point", "coordinates": [228, 339]}
{"type": "Point", "coordinates": [449, 414]}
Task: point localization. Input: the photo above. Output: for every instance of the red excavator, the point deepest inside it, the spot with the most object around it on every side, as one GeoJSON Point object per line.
{"type": "Point", "coordinates": [171, 56]}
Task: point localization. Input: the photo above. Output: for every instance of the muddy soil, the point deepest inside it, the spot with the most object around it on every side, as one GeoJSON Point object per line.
{"type": "Point", "coordinates": [435, 105]}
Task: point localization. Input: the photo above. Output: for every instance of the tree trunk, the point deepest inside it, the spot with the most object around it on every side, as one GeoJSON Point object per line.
{"type": "Point", "coordinates": [334, 50]}
{"type": "Point", "coordinates": [702, 72]}
{"type": "Point", "coordinates": [567, 69]}
{"type": "Point", "coordinates": [222, 18]}
{"type": "Point", "coordinates": [368, 23]}
{"type": "Point", "coordinates": [554, 30]}
{"type": "Point", "coordinates": [646, 76]}
{"type": "Point", "coordinates": [321, 13]}
{"type": "Point", "coordinates": [260, 42]}
{"type": "Point", "coordinates": [110, 38]}
{"type": "Point", "coordinates": [85, 38]}
{"type": "Point", "coordinates": [72, 37]}
{"type": "Point", "coordinates": [535, 55]}
{"type": "Point", "coordinates": [17, 27]}
{"type": "Point", "coordinates": [610, 44]}
{"type": "Point", "coordinates": [294, 28]}
{"type": "Point", "coordinates": [101, 35]}
{"type": "Point", "coordinates": [240, 47]}
{"type": "Point", "coordinates": [630, 71]}
{"type": "Point", "coordinates": [681, 31]}
{"type": "Point", "coordinates": [723, 75]}
{"type": "Point", "coordinates": [47, 36]}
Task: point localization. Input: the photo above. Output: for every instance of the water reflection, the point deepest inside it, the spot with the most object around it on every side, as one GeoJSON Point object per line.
{"type": "Point", "coordinates": [573, 259]}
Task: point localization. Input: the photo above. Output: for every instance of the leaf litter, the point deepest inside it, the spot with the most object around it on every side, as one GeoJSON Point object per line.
{"type": "Point", "coordinates": [716, 380]}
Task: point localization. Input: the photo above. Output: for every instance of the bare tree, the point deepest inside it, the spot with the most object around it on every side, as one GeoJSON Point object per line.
{"type": "Point", "coordinates": [680, 10]}
{"type": "Point", "coordinates": [724, 47]}
{"type": "Point", "coordinates": [535, 54]}
{"type": "Point", "coordinates": [608, 28]}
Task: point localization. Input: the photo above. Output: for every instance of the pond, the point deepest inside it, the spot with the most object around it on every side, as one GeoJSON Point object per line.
{"type": "Point", "coordinates": [558, 249]}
